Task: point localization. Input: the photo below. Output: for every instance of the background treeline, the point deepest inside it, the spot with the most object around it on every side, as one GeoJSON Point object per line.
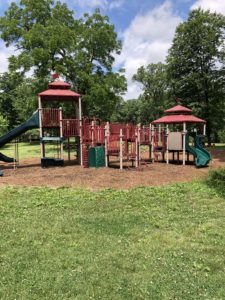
{"type": "Point", "coordinates": [48, 38]}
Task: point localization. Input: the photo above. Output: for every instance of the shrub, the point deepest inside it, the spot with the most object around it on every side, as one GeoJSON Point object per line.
{"type": "Point", "coordinates": [221, 135]}
{"type": "Point", "coordinates": [216, 179]}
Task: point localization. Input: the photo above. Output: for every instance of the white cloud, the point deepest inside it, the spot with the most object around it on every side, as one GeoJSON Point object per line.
{"type": "Point", "coordinates": [147, 40]}
{"type": "Point", "coordinates": [104, 4]}
{"type": "Point", "coordinates": [4, 55]}
{"type": "Point", "coordinates": [91, 3]}
{"type": "Point", "coordinates": [213, 5]}
{"type": "Point", "coordinates": [115, 4]}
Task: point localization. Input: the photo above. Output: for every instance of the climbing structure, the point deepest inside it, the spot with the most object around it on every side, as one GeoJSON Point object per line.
{"type": "Point", "coordinates": [174, 131]}
{"type": "Point", "coordinates": [108, 139]}
{"type": "Point", "coordinates": [54, 127]}
{"type": "Point", "coordinates": [96, 143]}
{"type": "Point", "coordinates": [95, 139]}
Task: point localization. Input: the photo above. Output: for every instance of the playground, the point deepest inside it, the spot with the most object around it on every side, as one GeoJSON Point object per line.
{"type": "Point", "coordinates": [110, 210]}
{"type": "Point", "coordinates": [29, 173]}
{"type": "Point", "coordinates": [178, 136]}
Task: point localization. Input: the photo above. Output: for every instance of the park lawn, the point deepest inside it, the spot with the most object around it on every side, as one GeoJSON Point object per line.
{"type": "Point", "coordinates": [32, 150]}
{"type": "Point", "coordinates": [146, 243]}
{"type": "Point", "coordinates": [28, 150]}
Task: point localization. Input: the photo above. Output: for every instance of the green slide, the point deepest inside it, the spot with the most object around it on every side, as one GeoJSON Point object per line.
{"type": "Point", "coordinates": [202, 157]}
{"type": "Point", "coordinates": [31, 123]}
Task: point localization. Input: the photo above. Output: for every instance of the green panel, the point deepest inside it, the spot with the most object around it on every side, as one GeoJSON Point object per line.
{"type": "Point", "coordinates": [100, 157]}
{"type": "Point", "coordinates": [91, 157]}
{"type": "Point", "coordinates": [96, 157]}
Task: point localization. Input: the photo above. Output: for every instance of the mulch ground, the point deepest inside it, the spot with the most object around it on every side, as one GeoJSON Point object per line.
{"type": "Point", "coordinates": [29, 173]}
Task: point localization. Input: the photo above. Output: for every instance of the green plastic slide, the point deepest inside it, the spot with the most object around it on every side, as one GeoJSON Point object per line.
{"type": "Point", "coordinates": [202, 157]}
{"type": "Point", "coordinates": [6, 158]}
{"type": "Point", "coordinates": [31, 123]}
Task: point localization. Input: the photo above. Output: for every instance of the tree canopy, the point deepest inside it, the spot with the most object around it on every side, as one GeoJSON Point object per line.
{"type": "Point", "coordinates": [47, 38]}
{"type": "Point", "coordinates": [153, 79]}
{"type": "Point", "coordinates": [196, 66]}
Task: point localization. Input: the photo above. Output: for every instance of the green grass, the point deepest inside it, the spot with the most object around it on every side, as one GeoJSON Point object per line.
{"type": "Point", "coordinates": [146, 243]}
{"type": "Point", "coordinates": [31, 150]}
{"type": "Point", "coordinates": [28, 150]}
{"type": "Point", "coordinates": [216, 147]}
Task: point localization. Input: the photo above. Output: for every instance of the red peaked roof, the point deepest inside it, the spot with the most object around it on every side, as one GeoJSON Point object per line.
{"type": "Point", "coordinates": [59, 91]}
{"type": "Point", "coordinates": [59, 84]}
{"type": "Point", "coordinates": [178, 109]}
{"type": "Point", "coordinates": [178, 119]}
{"type": "Point", "coordinates": [178, 114]}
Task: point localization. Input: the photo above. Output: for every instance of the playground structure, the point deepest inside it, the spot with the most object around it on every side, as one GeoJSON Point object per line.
{"type": "Point", "coordinates": [90, 135]}
{"type": "Point", "coordinates": [94, 142]}
{"type": "Point", "coordinates": [175, 131]}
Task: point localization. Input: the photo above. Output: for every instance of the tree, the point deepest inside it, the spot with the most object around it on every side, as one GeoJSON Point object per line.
{"type": "Point", "coordinates": [153, 79]}
{"type": "Point", "coordinates": [3, 125]}
{"type": "Point", "coordinates": [128, 112]}
{"type": "Point", "coordinates": [196, 66]}
{"type": "Point", "coordinates": [17, 98]}
{"type": "Point", "coordinates": [49, 39]}
{"type": "Point", "coordinates": [8, 84]}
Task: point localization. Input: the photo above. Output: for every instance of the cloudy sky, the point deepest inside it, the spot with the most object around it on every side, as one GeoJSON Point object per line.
{"type": "Point", "coordinates": [146, 28]}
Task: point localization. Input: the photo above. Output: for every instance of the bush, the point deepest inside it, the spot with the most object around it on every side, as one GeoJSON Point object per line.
{"type": "Point", "coordinates": [221, 135]}
{"type": "Point", "coordinates": [31, 135]}
{"type": "Point", "coordinates": [216, 179]}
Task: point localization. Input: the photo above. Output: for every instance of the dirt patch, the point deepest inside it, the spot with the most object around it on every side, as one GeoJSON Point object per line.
{"type": "Point", "coordinates": [30, 173]}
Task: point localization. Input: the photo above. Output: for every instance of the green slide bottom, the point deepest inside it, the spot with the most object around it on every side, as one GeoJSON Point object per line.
{"type": "Point", "coordinates": [31, 123]}
{"type": "Point", "coordinates": [202, 156]}
{"type": "Point", "coordinates": [6, 158]}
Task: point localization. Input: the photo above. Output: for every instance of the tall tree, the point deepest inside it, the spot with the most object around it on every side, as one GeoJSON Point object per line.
{"type": "Point", "coordinates": [8, 83]}
{"type": "Point", "coordinates": [17, 98]}
{"type": "Point", "coordinates": [153, 79]}
{"type": "Point", "coordinates": [49, 39]}
{"type": "Point", "coordinates": [3, 125]}
{"type": "Point", "coordinates": [196, 66]}
{"type": "Point", "coordinates": [128, 111]}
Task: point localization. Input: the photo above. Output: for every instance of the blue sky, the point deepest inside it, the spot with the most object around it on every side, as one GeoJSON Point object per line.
{"type": "Point", "coordinates": [146, 28]}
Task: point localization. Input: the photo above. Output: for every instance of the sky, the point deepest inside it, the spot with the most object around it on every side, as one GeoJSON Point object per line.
{"type": "Point", "coordinates": [145, 27]}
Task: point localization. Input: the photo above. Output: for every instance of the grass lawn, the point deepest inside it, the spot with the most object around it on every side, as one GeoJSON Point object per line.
{"type": "Point", "coordinates": [28, 150]}
{"type": "Point", "coordinates": [32, 150]}
{"type": "Point", "coordinates": [146, 243]}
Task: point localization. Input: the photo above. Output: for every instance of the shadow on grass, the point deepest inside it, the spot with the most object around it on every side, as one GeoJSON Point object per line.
{"type": "Point", "coordinates": [216, 180]}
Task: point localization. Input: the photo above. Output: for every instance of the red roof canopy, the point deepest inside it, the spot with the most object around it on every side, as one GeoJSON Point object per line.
{"type": "Point", "coordinates": [59, 91]}
{"type": "Point", "coordinates": [178, 109]}
{"type": "Point", "coordinates": [178, 114]}
{"type": "Point", "coordinates": [178, 119]}
{"type": "Point", "coordinates": [59, 84]}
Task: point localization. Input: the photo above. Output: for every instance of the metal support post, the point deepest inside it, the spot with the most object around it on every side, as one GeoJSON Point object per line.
{"type": "Point", "coordinates": [61, 132]}
{"type": "Point", "coordinates": [121, 149]}
{"type": "Point", "coordinates": [184, 142]}
{"type": "Point", "coordinates": [167, 144]}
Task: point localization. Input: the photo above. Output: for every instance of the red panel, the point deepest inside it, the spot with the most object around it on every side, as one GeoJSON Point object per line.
{"type": "Point", "coordinates": [71, 127]}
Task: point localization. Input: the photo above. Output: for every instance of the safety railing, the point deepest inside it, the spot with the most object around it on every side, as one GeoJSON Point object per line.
{"type": "Point", "coordinates": [50, 117]}
{"type": "Point", "coordinates": [71, 127]}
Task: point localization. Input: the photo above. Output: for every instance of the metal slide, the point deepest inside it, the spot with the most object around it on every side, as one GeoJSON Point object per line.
{"type": "Point", "coordinates": [31, 123]}
{"type": "Point", "coordinates": [202, 157]}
